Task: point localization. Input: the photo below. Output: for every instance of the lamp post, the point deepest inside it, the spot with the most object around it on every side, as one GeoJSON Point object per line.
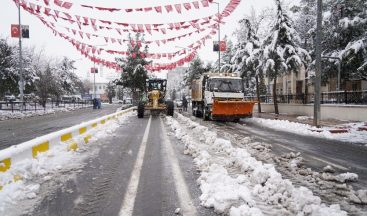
{"type": "Point", "coordinates": [317, 107]}
{"type": "Point", "coordinates": [21, 88]}
{"type": "Point", "coordinates": [94, 73]}
{"type": "Point", "coordinates": [218, 36]}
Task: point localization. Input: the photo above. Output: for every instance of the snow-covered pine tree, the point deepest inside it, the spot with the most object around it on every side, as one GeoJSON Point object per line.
{"type": "Point", "coordinates": [246, 59]}
{"type": "Point", "coordinates": [134, 73]}
{"type": "Point", "coordinates": [345, 26]}
{"type": "Point", "coordinates": [281, 51]}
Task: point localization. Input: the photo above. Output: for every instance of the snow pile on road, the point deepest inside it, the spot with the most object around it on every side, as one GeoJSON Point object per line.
{"type": "Point", "coordinates": [32, 173]}
{"type": "Point", "coordinates": [354, 135]}
{"type": "Point", "coordinates": [5, 115]}
{"type": "Point", "coordinates": [235, 183]}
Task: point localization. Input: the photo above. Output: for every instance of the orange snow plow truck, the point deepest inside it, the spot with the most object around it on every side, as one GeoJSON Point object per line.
{"type": "Point", "coordinates": [220, 96]}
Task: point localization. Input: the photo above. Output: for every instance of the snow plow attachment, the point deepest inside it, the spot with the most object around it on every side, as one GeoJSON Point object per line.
{"type": "Point", "coordinates": [232, 109]}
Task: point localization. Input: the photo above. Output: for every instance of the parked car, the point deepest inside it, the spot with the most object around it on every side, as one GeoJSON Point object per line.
{"type": "Point", "coordinates": [178, 103]}
{"type": "Point", "coordinates": [10, 98]}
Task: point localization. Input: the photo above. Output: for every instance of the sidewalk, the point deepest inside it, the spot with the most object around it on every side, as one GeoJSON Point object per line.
{"type": "Point", "coordinates": [302, 119]}
{"type": "Point", "coordinates": [334, 126]}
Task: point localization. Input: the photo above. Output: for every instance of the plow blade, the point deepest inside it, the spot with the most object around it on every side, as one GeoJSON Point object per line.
{"type": "Point", "coordinates": [232, 109]}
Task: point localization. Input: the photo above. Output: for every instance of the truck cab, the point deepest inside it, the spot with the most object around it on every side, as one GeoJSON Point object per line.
{"type": "Point", "coordinates": [220, 96]}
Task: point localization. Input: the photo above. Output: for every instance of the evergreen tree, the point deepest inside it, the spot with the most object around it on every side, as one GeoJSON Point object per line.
{"type": "Point", "coordinates": [134, 72]}
{"type": "Point", "coordinates": [345, 27]}
{"type": "Point", "coordinates": [194, 71]}
{"type": "Point", "coordinates": [8, 79]}
{"type": "Point", "coordinates": [110, 91]}
{"type": "Point", "coordinates": [281, 51]}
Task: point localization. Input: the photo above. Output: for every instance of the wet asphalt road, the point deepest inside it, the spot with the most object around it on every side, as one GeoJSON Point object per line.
{"type": "Point", "coordinates": [16, 131]}
{"type": "Point", "coordinates": [100, 188]}
{"type": "Point", "coordinates": [317, 152]}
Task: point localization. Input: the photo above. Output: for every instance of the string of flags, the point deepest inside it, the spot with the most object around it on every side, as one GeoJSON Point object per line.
{"type": "Point", "coordinates": [58, 10]}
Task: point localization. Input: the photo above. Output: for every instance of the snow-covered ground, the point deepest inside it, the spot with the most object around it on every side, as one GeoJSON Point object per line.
{"type": "Point", "coordinates": [234, 182]}
{"type": "Point", "coordinates": [353, 135]}
{"type": "Point", "coordinates": [4, 115]}
{"type": "Point", "coordinates": [49, 165]}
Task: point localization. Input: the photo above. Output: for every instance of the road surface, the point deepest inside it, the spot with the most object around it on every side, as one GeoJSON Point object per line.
{"type": "Point", "coordinates": [15, 131]}
{"type": "Point", "coordinates": [140, 171]}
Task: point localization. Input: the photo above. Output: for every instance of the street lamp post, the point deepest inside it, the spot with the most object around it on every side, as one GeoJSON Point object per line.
{"type": "Point", "coordinates": [94, 73]}
{"type": "Point", "coordinates": [21, 89]}
{"type": "Point", "coordinates": [219, 16]}
{"type": "Point", "coordinates": [317, 106]}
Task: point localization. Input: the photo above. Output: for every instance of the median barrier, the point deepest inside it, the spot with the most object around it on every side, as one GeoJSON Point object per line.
{"type": "Point", "coordinates": [70, 137]}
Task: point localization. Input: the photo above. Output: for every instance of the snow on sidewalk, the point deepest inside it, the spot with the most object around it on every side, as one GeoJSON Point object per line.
{"type": "Point", "coordinates": [52, 164]}
{"type": "Point", "coordinates": [353, 135]}
{"type": "Point", "coordinates": [5, 115]}
{"type": "Point", "coordinates": [235, 183]}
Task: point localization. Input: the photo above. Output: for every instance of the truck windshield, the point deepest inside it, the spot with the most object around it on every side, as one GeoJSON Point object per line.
{"type": "Point", "coordinates": [225, 85]}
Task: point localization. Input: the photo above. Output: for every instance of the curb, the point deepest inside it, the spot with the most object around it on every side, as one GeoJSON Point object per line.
{"type": "Point", "coordinates": [68, 137]}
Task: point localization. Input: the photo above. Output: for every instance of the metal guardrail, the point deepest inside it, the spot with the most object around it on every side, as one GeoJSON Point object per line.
{"type": "Point", "coordinates": [338, 97]}
{"type": "Point", "coordinates": [35, 106]}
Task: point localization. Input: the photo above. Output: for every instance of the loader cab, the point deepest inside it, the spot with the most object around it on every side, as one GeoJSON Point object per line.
{"type": "Point", "coordinates": [156, 84]}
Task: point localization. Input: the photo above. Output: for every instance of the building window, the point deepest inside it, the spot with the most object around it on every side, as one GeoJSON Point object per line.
{"type": "Point", "coordinates": [100, 87]}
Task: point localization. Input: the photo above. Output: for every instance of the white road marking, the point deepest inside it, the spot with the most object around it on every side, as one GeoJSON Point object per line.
{"type": "Point", "coordinates": [132, 189]}
{"type": "Point", "coordinates": [186, 204]}
{"type": "Point", "coordinates": [329, 163]}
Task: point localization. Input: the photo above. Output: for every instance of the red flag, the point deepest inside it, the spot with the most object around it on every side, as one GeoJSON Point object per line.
{"type": "Point", "coordinates": [205, 3]}
{"type": "Point", "coordinates": [47, 11]}
{"type": "Point", "coordinates": [15, 31]}
{"type": "Point", "coordinates": [106, 39]}
{"type": "Point", "coordinates": [158, 9]}
{"type": "Point", "coordinates": [196, 4]}
{"type": "Point", "coordinates": [119, 40]}
{"type": "Point", "coordinates": [148, 27]}
{"type": "Point", "coordinates": [46, 2]}
{"type": "Point", "coordinates": [133, 55]}
{"type": "Point", "coordinates": [187, 6]}
{"type": "Point", "coordinates": [141, 27]}
{"type": "Point", "coordinates": [113, 40]}
{"type": "Point", "coordinates": [169, 8]}
{"type": "Point", "coordinates": [118, 30]}
{"type": "Point", "coordinates": [74, 31]}
{"type": "Point", "coordinates": [128, 10]}
{"type": "Point", "coordinates": [86, 20]}
{"type": "Point", "coordinates": [58, 3]}
{"type": "Point", "coordinates": [163, 30]}
{"type": "Point", "coordinates": [81, 34]}
{"type": "Point", "coordinates": [67, 5]}
{"type": "Point", "coordinates": [147, 9]}
{"type": "Point", "coordinates": [178, 8]}
{"type": "Point", "coordinates": [88, 35]}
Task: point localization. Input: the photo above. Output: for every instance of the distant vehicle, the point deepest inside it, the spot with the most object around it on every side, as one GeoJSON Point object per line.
{"type": "Point", "coordinates": [9, 98]}
{"type": "Point", "coordinates": [178, 103]}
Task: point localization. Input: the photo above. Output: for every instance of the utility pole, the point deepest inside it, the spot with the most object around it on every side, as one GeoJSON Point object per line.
{"type": "Point", "coordinates": [21, 87]}
{"type": "Point", "coordinates": [317, 106]}
{"type": "Point", "coordinates": [219, 16]}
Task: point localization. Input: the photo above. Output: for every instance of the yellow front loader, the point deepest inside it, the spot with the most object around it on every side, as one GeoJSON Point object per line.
{"type": "Point", "coordinates": [155, 103]}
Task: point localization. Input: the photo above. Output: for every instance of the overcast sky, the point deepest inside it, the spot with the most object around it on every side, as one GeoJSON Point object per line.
{"type": "Point", "coordinates": [43, 39]}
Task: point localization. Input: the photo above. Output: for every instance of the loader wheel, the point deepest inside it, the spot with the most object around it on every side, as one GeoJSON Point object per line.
{"type": "Point", "coordinates": [170, 108]}
{"type": "Point", "coordinates": [141, 110]}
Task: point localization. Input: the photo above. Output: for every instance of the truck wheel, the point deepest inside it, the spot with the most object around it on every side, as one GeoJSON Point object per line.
{"type": "Point", "coordinates": [141, 110]}
{"type": "Point", "coordinates": [170, 108]}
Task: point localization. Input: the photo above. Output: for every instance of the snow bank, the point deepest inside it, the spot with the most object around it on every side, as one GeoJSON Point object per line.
{"type": "Point", "coordinates": [5, 115]}
{"type": "Point", "coordinates": [293, 127]}
{"type": "Point", "coordinates": [235, 183]}
{"type": "Point", "coordinates": [31, 173]}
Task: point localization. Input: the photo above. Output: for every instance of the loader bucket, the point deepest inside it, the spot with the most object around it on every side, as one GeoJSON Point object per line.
{"type": "Point", "coordinates": [232, 109]}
